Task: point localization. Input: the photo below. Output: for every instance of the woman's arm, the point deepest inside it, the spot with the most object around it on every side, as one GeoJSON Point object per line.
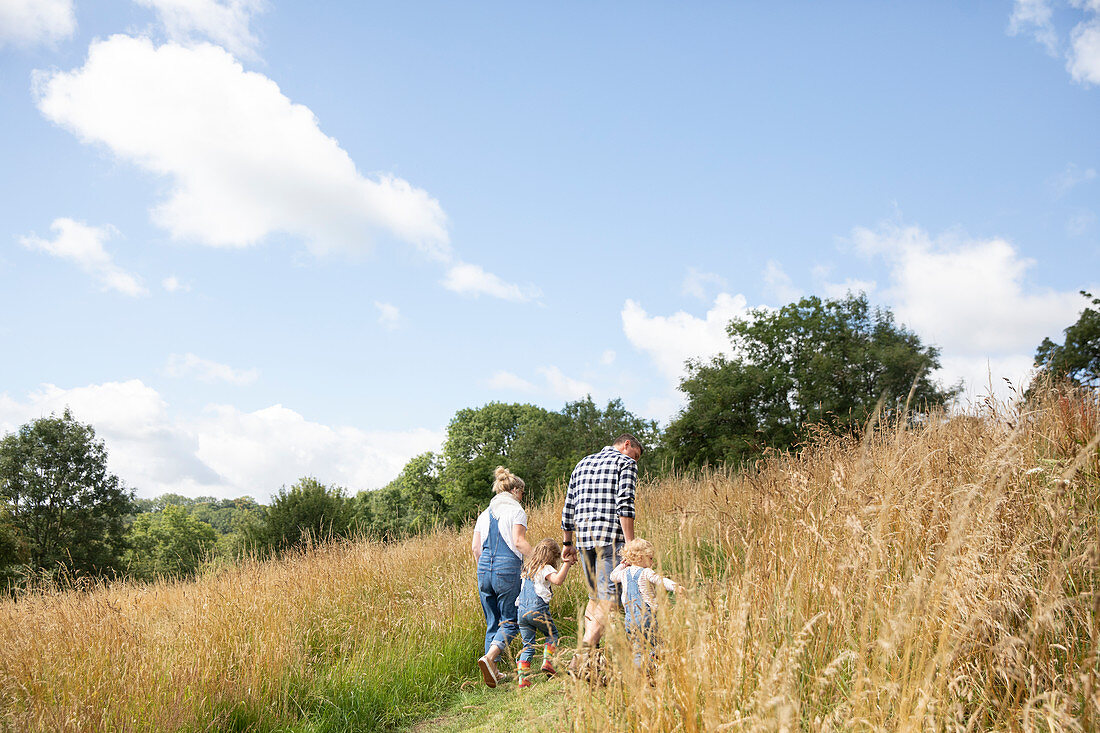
{"type": "Point", "coordinates": [519, 538]}
{"type": "Point", "coordinates": [475, 546]}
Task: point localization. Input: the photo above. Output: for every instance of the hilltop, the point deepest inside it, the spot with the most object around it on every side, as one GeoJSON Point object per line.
{"type": "Point", "coordinates": [944, 574]}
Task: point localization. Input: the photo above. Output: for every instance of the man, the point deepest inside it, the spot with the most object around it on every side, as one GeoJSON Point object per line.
{"type": "Point", "coordinates": [599, 510]}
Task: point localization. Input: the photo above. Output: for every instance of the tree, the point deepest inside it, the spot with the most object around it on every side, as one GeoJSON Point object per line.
{"type": "Point", "coordinates": [1077, 358]}
{"type": "Point", "coordinates": [306, 511]}
{"type": "Point", "coordinates": [479, 440]}
{"type": "Point", "coordinates": [411, 503]}
{"type": "Point", "coordinates": [64, 504]}
{"type": "Point", "coordinates": [168, 543]}
{"type": "Point", "coordinates": [811, 362]}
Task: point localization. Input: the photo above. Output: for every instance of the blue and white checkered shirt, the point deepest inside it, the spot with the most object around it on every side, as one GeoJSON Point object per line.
{"type": "Point", "coordinates": [601, 490]}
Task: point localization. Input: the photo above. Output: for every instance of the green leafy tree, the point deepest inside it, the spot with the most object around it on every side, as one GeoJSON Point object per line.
{"type": "Point", "coordinates": [64, 504]}
{"type": "Point", "coordinates": [168, 543]}
{"type": "Point", "coordinates": [811, 362]}
{"type": "Point", "coordinates": [307, 511]}
{"type": "Point", "coordinates": [411, 503]}
{"type": "Point", "coordinates": [479, 440]}
{"type": "Point", "coordinates": [1078, 356]}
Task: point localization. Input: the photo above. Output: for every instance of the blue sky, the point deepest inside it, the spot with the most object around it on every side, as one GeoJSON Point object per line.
{"type": "Point", "coordinates": [255, 240]}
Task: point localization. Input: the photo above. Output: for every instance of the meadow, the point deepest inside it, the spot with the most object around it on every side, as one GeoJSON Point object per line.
{"type": "Point", "coordinates": [937, 575]}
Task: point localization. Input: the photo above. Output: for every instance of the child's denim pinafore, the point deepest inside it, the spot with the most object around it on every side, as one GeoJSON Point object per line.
{"type": "Point", "coordinates": [640, 621]}
{"type": "Point", "coordinates": [534, 619]}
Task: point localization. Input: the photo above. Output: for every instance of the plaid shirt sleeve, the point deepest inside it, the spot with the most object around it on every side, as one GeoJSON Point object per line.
{"type": "Point", "coordinates": [628, 481]}
{"type": "Point", "coordinates": [570, 506]}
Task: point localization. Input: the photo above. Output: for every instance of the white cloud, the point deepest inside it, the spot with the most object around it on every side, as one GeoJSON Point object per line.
{"type": "Point", "coordinates": [1080, 223]}
{"type": "Point", "coordinates": [244, 161]}
{"type": "Point", "coordinates": [223, 22]}
{"type": "Point", "coordinates": [510, 382]}
{"type": "Point", "coordinates": [779, 283]}
{"type": "Point", "coordinates": [472, 280]}
{"type": "Point", "coordinates": [388, 315]}
{"type": "Point", "coordinates": [1034, 17]}
{"type": "Point", "coordinates": [607, 358]}
{"type": "Point", "coordinates": [30, 22]}
{"type": "Point", "coordinates": [1072, 177]}
{"type": "Point", "coordinates": [696, 283]}
{"type": "Point", "coordinates": [969, 297]}
{"type": "Point", "coordinates": [671, 340]}
{"type": "Point", "coordinates": [224, 452]}
{"type": "Point", "coordinates": [981, 374]}
{"type": "Point", "coordinates": [1083, 62]}
{"type": "Point", "coordinates": [563, 386]}
{"type": "Point", "coordinates": [274, 446]}
{"type": "Point", "coordinates": [204, 370]}
{"type": "Point", "coordinates": [83, 245]}
{"type": "Point", "coordinates": [174, 285]}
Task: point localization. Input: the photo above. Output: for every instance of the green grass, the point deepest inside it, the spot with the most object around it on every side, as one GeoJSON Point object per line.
{"type": "Point", "coordinates": [477, 709]}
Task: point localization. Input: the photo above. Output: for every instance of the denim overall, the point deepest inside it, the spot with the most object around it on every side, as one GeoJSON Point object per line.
{"type": "Point", "coordinates": [640, 621]}
{"type": "Point", "coordinates": [498, 584]}
{"type": "Point", "coordinates": [534, 619]}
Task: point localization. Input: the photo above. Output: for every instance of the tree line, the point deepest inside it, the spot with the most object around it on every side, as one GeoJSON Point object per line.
{"type": "Point", "coordinates": [816, 362]}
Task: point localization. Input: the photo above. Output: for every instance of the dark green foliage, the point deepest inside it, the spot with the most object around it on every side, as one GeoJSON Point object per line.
{"type": "Point", "coordinates": [308, 511]}
{"type": "Point", "coordinates": [171, 542]}
{"type": "Point", "coordinates": [538, 445]}
{"type": "Point", "coordinates": [409, 504]}
{"type": "Point", "coordinates": [811, 362]}
{"type": "Point", "coordinates": [1077, 358]}
{"type": "Point", "coordinates": [64, 510]}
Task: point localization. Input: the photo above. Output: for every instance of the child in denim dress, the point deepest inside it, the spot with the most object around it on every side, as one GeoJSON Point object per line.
{"type": "Point", "coordinates": [638, 580]}
{"type": "Point", "coordinates": [540, 572]}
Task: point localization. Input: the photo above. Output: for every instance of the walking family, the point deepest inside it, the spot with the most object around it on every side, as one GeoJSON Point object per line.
{"type": "Point", "coordinates": [516, 581]}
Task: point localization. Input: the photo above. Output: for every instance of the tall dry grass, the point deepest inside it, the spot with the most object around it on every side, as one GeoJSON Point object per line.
{"type": "Point", "coordinates": [353, 636]}
{"type": "Point", "coordinates": [942, 577]}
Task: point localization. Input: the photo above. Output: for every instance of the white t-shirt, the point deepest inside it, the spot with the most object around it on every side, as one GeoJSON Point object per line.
{"type": "Point", "coordinates": [509, 513]}
{"type": "Point", "coordinates": [542, 585]}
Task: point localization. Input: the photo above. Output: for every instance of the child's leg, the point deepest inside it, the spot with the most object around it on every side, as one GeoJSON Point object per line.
{"type": "Point", "coordinates": [546, 625]}
{"type": "Point", "coordinates": [528, 632]}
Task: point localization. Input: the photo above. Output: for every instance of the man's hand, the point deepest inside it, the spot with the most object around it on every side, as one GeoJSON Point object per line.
{"type": "Point", "coordinates": [569, 554]}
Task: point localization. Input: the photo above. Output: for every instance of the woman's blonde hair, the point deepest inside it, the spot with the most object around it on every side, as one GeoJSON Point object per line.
{"type": "Point", "coordinates": [505, 480]}
{"type": "Point", "coordinates": [546, 552]}
{"type": "Point", "coordinates": [637, 551]}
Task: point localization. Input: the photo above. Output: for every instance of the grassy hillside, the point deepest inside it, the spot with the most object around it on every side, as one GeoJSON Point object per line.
{"type": "Point", "coordinates": [946, 576]}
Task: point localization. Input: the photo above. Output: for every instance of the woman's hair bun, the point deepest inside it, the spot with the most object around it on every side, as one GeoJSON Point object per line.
{"type": "Point", "coordinates": [501, 472]}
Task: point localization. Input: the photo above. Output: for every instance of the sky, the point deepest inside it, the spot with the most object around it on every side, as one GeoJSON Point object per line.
{"type": "Point", "coordinates": [252, 240]}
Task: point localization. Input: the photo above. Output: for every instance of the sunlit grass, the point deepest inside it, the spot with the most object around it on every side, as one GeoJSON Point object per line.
{"type": "Point", "coordinates": [941, 577]}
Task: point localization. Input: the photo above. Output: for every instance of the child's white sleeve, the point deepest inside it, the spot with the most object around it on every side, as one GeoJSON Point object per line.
{"type": "Point", "coordinates": [545, 573]}
{"type": "Point", "coordinates": [617, 573]}
{"type": "Point", "coordinates": [656, 579]}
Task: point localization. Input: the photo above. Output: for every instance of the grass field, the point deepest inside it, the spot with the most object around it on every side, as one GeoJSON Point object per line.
{"type": "Point", "coordinates": [944, 576]}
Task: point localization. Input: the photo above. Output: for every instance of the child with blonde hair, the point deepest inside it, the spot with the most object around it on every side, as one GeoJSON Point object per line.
{"type": "Point", "coordinates": [540, 572]}
{"type": "Point", "coordinates": [638, 581]}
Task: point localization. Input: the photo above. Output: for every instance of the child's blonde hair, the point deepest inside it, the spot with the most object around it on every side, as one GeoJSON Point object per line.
{"type": "Point", "coordinates": [638, 552]}
{"type": "Point", "coordinates": [546, 552]}
{"type": "Point", "coordinates": [505, 480]}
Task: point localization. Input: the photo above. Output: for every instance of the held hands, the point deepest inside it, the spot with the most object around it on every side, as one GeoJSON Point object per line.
{"type": "Point", "coordinates": [569, 554]}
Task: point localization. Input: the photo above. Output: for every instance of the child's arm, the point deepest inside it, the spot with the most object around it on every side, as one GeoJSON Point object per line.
{"type": "Point", "coordinates": [559, 577]}
{"type": "Point", "coordinates": [619, 571]}
{"type": "Point", "coordinates": [669, 584]}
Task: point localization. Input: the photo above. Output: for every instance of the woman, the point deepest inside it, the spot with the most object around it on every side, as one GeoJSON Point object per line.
{"type": "Point", "coordinates": [499, 545]}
